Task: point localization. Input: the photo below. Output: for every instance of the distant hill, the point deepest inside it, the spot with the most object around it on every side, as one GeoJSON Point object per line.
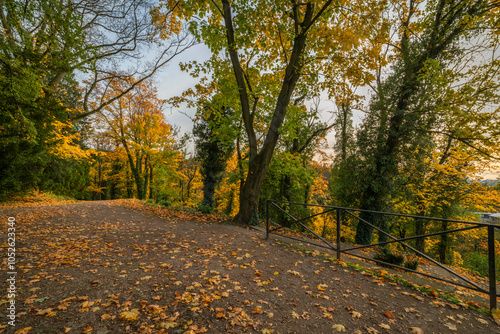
{"type": "Point", "coordinates": [490, 183]}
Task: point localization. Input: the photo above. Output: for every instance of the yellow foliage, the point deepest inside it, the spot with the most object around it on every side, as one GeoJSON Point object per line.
{"type": "Point", "coordinates": [62, 143]}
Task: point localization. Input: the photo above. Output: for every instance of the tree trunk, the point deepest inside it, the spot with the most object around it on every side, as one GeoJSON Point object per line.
{"type": "Point", "coordinates": [259, 161]}
{"type": "Point", "coordinates": [443, 243]}
{"type": "Point", "coordinates": [146, 178]}
{"type": "Point", "coordinates": [419, 230]}
{"type": "Point", "coordinates": [249, 197]}
{"type": "Point", "coordinates": [151, 192]}
{"type": "Point", "coordinates": [209, 184]}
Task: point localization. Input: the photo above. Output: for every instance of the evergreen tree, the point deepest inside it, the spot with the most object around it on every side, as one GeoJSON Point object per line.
{"type": "Point", "coordinates": [212, 151]}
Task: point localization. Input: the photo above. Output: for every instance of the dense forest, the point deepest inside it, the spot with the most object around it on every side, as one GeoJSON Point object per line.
{"type": "Point", "coordinates": [81, 115]}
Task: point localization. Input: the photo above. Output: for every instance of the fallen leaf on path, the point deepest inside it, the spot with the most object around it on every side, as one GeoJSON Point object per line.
{"type": "Point", "coordinates": [416, 330]}
{"type": "Point", "coordinates": [389, 315]}
{"type": "Point", "coordinates": [168, 325]}
{"type": "Point", "coordinates": [106, 316]}
{"type": "Point", "coordinates": [44, 312]}
{"type": "Point", "coordinates": [411, 310]}
{"type": "Point", "coordinates": [86, 329]}
{"type": "Point", "coordinates": [24, 330]}
{"type": "Point", "coordinates": [295, 273]}
{"type": "Point", "coordinates": [451, 326]}
{"type": "Point", "coordinates": [355, 314]}
{"type": "Point", "coordinates": [130, 315]}
{"type": "Point", "coordinates": [385, 326]}
{"type": "Point", "coordinates": [437, 303]}
{"type": "Point", "coordinates": [339, 328]}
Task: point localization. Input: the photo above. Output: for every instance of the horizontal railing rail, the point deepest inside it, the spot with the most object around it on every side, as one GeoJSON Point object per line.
{"type": "Point", "coordinates": [337, 248]}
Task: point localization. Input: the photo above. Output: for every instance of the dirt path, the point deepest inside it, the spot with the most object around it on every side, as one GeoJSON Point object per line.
{"type": "Point", "coordinates": [97, 267]}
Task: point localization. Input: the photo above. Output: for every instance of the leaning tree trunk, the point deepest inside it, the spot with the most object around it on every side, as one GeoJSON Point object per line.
{"type": "Point", "coordinates": [259, 162]}
{"type": "Point", "coordinates": [249, 196]}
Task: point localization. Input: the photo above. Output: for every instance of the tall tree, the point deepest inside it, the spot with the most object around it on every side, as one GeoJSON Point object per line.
{"type": "Point", "coordinates": [136, 122]}
{"type": "Point", "coordinates": [271, 46]}
{"type": "Point", "coordinates": [45, 46]}
{"type": "Point", "coordinates": [211, 150]}
{"type": "Point", "coordinates": [401, 112]}
{"type": "Point", "coordinates": [344, 132]}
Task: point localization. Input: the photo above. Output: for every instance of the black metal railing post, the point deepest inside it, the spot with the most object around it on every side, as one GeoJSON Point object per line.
{"type": "Point", "coordinates": [267, 220]}
{"type": "Point", "coordinates": [338, 234]}
{"type": "Point", "coordinates": [491, 265]}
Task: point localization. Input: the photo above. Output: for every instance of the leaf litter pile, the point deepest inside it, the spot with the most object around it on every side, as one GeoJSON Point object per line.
{"type": "Point", "coordinates": [120, 267]}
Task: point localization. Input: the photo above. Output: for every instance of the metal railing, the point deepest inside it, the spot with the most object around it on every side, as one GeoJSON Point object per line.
{"type": "Point", "coordinates": [492, 291]}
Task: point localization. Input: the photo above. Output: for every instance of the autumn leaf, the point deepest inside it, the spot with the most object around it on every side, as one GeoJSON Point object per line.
{"type": "Point", "coordinates": [438, 303]}
{"type": "Point", "coordinates": [127, 303]}
{"type": "Point", "coordinates": [295, 315]}
{"type": "Point", "coordinates": [295, 273]}
{"type": "Point", "coordinates": [416, 330]}
{"type": "Point", "coordinates": [339, 328]}
{"type": "Point", "coordinates": [355, 314]}
{"type": "Point", "coordinates": [86, 304]}
{"type": "Point", "coordinates": [389, 315]}
{"type": "Point", "coordinates": [130, 315]}
{"type": "Point", "coordinates": [495, 313]}
{"type": "Point", "coordinates": [44, 312]}
{"type": "Point", "coordinates": [24, 330]}
{"type": "Point", "coordinates": [168, 325]}
{"type": "Point", "coordinates": [385, 326]}
{"type": "Point", "coordinates": [87, 329]}
{"type": "Point", "coordinates": [451, 326]}
{"type": "Point", "coordinates": [322, 287]}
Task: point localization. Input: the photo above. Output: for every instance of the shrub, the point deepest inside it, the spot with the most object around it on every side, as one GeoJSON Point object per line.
{"type": "Point", "coordinates": [205, 208]}
{"type": "Point", "coordinates": [477, 263]}
{"type": "Point", "coordinates": [165, 203]}
{"type": "Point", "coordinates": [386, 255]}
{"type": "Point", "coordinates": [411, 264]}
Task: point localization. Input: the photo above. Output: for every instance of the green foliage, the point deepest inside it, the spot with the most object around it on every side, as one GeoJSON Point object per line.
{"type": "Point", "coordinates": [39, 39]}
{"type": "Point", "coordinates": [386, 255]}
{"type": "Point", "coordinates": [411, 264]}
{"type": "Point", "coordinates": [477, 263]}
{"type": "Point", "coordinates": [423, 96]}
{"type": "Point", "coordinates": [165, 203]}
{"type": "Point", "coordinates": [66, 177]}
{"type": "Point", "coordinates": [205, 208]}
{"type": "Point", "coordinates": [212, 149]}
